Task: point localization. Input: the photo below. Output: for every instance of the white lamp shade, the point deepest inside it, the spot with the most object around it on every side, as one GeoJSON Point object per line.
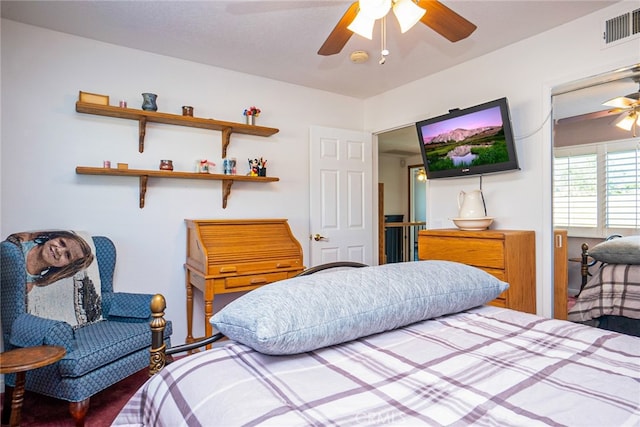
{"type": "Point", "coordinates": [620, 102]}
{"type": "Point", "coordinates": [362, 25]}
{"type": "Point", "coordinates": [407, 13]}
{"type": "Point", "coordinates": [627, 121]}
{"type": "Point", "coordinates": [374, 9]}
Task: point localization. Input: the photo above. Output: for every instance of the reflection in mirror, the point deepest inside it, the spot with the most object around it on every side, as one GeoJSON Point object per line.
{"type": "Point", "coordinates": [596, 188]}
{"type": "Point", "coordinates": [417, 206]}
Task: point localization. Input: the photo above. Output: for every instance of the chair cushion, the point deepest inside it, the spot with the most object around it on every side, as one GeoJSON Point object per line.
{"type": "Point", "coordinates": [127, 306]}
{"type": "Point", "coordinates": [104, 342]}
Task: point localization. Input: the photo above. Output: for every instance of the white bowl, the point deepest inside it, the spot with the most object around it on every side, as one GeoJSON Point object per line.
{"type": "Point", "coordinates": [473, 224]}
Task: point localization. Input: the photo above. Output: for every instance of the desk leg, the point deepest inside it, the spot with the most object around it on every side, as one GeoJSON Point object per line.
{"type": "Point", "coordinates": [189, 308]}
{"type": "Point", "coordinates": [17, 398]}
{"type": "Point", "coordinates": [209, 294]}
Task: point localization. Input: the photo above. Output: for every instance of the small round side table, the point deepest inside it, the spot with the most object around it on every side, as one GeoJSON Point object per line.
{"type": "Point", "coordinates": [21, 360]}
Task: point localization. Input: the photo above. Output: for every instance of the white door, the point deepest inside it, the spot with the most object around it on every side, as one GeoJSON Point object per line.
{"type": "Point", "coordinates": [341, 194]}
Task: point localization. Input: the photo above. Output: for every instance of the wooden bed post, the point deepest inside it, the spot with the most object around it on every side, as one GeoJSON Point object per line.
{"type": "Point", "coordinates": [157, 359]}
{"type": "Point", "coordinates": [584, 266]}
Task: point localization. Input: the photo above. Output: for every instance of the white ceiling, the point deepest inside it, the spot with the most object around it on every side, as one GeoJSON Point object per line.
{"type": "Point", "coordinates": [279, 39]}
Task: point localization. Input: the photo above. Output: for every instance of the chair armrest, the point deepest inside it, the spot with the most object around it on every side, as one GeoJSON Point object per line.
{"type": "Point", "coordinates": [29, 330]}
{"type": "Point", "coordinates": [123, 307]}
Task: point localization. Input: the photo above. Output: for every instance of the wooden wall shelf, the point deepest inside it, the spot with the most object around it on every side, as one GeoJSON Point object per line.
{"type": "Point", "coordinates": [143, 117]}
{"type": "Point", "coordinates": [144, 175]}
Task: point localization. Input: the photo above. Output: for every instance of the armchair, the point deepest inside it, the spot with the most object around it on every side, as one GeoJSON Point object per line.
{"type": "Point", "coordinates": [97, 354]}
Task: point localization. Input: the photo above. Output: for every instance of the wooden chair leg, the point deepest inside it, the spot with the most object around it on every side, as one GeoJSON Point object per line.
{"type": "Point", "coordinates": [6, 406]}
{"type": "Point", "coordinates": [79, 411]}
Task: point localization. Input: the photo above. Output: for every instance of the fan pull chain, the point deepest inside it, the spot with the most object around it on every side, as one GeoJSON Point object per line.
{"type": "Point", "coordinates": [383, 41]}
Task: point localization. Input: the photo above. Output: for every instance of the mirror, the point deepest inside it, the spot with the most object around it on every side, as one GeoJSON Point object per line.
{"type": "Point", "coordinates": [584, 138]}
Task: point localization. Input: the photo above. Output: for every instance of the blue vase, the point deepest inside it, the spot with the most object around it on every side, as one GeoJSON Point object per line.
{"type": "Point", "coordinates": [149, 102]}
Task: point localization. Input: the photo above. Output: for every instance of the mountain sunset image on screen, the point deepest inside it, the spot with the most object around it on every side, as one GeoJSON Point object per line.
{"type": "Point", "coordinates": [472, 141]}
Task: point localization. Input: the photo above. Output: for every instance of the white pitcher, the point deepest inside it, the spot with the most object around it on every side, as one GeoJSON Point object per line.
{"type": "Point", "coordinates": [471, 204]}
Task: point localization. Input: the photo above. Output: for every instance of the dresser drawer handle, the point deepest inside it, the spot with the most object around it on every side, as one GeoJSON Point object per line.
{"type": "Point", "coordinates": [283, 265]}
{"type": "Point", "coordinates": [228, 269]}
{"type": "Point", "coordinates": [258, 280]}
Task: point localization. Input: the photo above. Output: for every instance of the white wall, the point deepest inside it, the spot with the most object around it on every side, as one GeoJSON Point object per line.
{"type": "Point", "coordinates": [524, 72]}
{"type": "Point", "coordinates": [394, 177]}
{"type": "Point", "coordinates": [44, 139]}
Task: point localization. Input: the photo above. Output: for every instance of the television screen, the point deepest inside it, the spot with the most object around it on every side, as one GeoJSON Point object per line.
{"type": "Point", "coordinates": [472, 141]}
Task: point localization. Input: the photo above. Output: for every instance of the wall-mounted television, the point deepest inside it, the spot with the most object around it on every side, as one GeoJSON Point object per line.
{"type": "Point", "coordinates": [471, 141]}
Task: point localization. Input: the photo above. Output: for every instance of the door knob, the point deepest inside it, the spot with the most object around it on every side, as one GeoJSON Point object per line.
{"type": "Point", "coordinates": [317, 237]}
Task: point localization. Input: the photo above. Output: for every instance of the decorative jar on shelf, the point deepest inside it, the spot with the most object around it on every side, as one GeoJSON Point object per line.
{"type": "Point", "coordinates": [149, 102]}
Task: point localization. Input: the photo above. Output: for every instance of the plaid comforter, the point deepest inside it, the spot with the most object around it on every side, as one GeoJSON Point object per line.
{"type": "Point", "coordinates": [488, 366]}
{"type": "Point", "coordinates": [613, 290]}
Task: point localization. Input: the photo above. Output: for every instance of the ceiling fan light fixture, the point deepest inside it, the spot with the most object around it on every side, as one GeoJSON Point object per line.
{"type": "Point", "coordinates": [626, 122]}
{"type": "Point", "coordinates": [442, 20]}
{"type": "Point", "coordinates": [374, 9]}
{"type": "Point", "coordinates": [362, 25]}
{"type": "Point", "coordinates": [408, 14]}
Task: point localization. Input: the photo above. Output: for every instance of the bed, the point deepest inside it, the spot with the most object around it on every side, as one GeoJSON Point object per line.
{"type": "Point", "coordinates": [345, 348]}
{"type": "Point", "coordinates": [610, 296]}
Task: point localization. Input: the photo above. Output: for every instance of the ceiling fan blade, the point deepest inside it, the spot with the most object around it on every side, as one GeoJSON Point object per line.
{"type": "Point", "coordinates": [445, 21]}
{"type": "Point", "coordinates": [621, 102]}
{"type": "Point", "coordinates": [340, 34]}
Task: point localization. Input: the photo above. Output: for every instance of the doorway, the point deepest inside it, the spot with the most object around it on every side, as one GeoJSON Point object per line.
{"type": "Point", "coordinates": [402, 203]}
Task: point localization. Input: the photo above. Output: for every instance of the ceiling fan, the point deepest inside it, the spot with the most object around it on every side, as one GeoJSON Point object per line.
{"type": "Point", "coordinates": [438, 17]}
{"type": "Point", "coordinates": [628, 107]}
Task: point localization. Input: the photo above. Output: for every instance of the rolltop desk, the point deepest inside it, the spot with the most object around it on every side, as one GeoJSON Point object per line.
{"type": "Point", "coordinates": [226, 256]}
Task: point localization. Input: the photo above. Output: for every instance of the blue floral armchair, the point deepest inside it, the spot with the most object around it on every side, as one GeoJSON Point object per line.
{"type": "Point", "coordinates": [97, 354]}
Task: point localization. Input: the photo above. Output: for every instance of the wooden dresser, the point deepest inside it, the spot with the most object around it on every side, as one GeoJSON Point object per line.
{"type": "Point", "coordinates": [225, 256]}
{"type": "Point", "coordinates": [509, 255]}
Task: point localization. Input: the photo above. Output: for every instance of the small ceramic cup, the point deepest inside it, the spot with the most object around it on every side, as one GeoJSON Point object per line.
{"type": "Point", "coordinates": [166, 165]}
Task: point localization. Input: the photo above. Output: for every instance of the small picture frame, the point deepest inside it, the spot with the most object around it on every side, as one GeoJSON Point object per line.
{"type": "Point", "coordinates": [94, 98]}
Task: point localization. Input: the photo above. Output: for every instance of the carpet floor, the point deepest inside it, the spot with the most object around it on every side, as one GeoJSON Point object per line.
{"type": "Point", "coordinates": [43, 411]}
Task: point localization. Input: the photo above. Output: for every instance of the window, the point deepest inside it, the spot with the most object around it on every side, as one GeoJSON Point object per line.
{"type": "Point", "coordinates": [596, 188]}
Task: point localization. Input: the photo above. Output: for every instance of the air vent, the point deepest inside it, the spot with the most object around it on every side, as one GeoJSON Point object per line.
{"type": "Point", "coordinates": [622, 27]}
